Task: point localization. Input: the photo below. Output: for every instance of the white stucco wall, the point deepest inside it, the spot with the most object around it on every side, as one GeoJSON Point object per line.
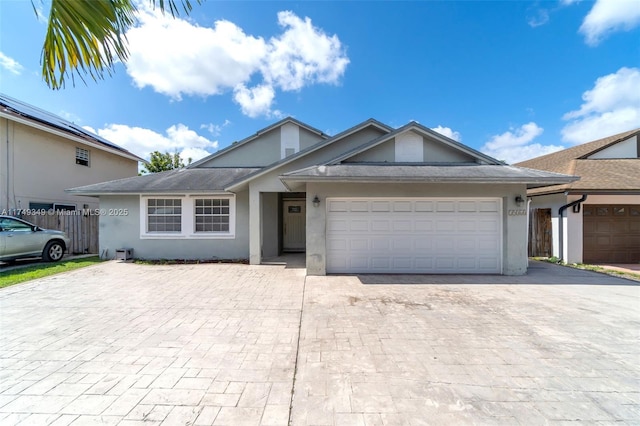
{"type": "Point", "coordinates": [625, 149]}
{"type": "Point", "coordinates": [123, 231]}
{"type": "Point", "coordinates": [573, 222]}
{"type": "Point", "coordinates": [514, 227]}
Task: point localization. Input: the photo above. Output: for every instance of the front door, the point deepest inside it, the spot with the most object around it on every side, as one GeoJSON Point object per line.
{"type": "Point", "coordinates": [294, 225]}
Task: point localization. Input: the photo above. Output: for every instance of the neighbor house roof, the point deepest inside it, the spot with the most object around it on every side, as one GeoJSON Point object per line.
{"type": "Point", "coordinates": [173, 181]}
{"type": "Point", "coordinates": [596, 175]}
{"type": "Point", "coordinates": [257, 135]}
{"type": "Point", "coordinates": [454, 173]}
{"type": "Point", "coordinates": [32, 116]}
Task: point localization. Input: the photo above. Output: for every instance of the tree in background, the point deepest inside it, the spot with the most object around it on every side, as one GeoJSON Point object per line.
{"type": "Point", "coordinates": [160, 162]}
{"type": "Point", "coordinates": [89, 36]}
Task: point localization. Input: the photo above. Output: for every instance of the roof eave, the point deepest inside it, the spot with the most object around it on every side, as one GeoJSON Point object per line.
{"type": "Point", "coordinates": [70, 136]}
{"type": "Point", "coordinates": [414, 179]}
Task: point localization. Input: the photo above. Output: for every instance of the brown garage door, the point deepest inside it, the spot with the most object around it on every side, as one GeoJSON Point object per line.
{"type": "Point", "coordinates": [611, 233]}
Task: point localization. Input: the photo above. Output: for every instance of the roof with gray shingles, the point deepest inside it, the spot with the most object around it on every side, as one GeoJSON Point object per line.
{"type": "Point", "coordinates": [596, 175]}
{"type": "Point", "coordinates": [179, 180]}
{"type": "Point", "coordinates": [463, 173]}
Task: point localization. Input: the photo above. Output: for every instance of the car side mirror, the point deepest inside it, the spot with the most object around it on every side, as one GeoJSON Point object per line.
{"type": "Point", "coordinates": [35, 228]}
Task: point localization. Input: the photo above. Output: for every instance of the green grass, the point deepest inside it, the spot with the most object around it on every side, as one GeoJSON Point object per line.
{"type": "Point", "coordinates": [20, 275]}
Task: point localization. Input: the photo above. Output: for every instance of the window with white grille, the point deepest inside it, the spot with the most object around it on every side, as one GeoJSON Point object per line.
{"type": "Point", "coordinates": [212, 215]}
{"type": "Point", "coordinates": [164, 215]}
{"type": "Point", "coordinates": [82, 156]}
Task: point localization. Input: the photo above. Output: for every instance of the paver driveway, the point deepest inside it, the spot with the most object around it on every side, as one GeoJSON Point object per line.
{"type": "Point", "coordinates": [219, 344]}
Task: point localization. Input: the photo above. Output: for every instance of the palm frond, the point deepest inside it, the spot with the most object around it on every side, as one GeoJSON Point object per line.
{"type": "Point", "coordinates": [88, 37]}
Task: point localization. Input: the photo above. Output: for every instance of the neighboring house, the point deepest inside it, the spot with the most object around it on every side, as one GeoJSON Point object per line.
{"type": "Point", "coordinates": [42, 154]}
{"type": "Point", "coordinates": [369, 199]}
{"type": "Point", "coordinates": [597, 216]}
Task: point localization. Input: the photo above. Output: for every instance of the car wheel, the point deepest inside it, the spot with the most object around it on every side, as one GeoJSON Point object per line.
{"type": "Point", "coordinates": [53, 251]}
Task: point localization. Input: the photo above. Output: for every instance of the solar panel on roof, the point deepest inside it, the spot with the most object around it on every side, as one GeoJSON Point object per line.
{"type": "Point", "coordinates": [46, 117]}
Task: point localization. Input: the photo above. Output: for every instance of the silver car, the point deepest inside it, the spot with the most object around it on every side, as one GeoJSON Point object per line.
{"type": "Point", "coordinates": [20, 239]}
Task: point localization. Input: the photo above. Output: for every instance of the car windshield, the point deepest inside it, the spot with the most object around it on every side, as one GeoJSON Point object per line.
{"type": "Point", "coordinates": [14, 225]}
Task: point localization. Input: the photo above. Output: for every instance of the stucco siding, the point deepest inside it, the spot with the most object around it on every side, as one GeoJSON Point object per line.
{"type": "Point", "coordinates": [432, 152]}
{"type": "Point", "coordinates": [42, 165]}
{"type": "Point", "coordinates": [259, 152]}
{"type": "Point", "coordinates": [124, 232]}
{"type": "Point", "coordinates": [308, 139]}
{"type": "Point", "coordinates": [385, 152]}
{"type": "Point", "coordinates": [514, 232]}
{"type": "Point", "coordinates": [572, 223]}
{"type": "Point", "coordinates": [437, 152]}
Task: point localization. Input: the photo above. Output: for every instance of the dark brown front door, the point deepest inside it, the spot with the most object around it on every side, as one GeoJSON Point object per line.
{"type": "Point", "coordinates": [611, 233]}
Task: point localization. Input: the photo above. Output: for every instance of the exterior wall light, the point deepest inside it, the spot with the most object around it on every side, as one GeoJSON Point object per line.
{"type": "Point", "coordinates": [316, 201]}
{"type": "Point", "coordinates": [519, 200]}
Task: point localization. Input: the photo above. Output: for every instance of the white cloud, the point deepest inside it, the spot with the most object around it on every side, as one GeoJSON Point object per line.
{"type": "Point", "coordinates": [611, 106]}
{"type": "Point", "coordinates": [215, 129]}
{"type": "Point", "coordinates": [608, 16]}
{"type": "Point", "coordinates": [541, 17]}
{"type": "Point", "coordinates": [142, 142]}
{"type": "Point", "coordinates": [446, 131]}
{"type": "Point", "coordinates": [255, 101]}
{"type": "Point", "coordinates": [10, 64]}
{"type": "Point", "coordinates": [177, 57]}
{"type": "Point", "coordinates": [569, 2]}
{"type": "Point", "coordinates": [516, 145]}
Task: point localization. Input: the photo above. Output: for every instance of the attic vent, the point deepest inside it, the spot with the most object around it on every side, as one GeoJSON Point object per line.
{"type": "Point", "coordinates": [409, 148]}
{"type": "Point", "coordinates": [82, 156]}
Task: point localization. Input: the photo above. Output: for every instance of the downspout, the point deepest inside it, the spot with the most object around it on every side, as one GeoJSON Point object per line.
{"type": "Point", "coordinates": [561, 225]}
{"type": "Point", "coordinates": [528, 233]}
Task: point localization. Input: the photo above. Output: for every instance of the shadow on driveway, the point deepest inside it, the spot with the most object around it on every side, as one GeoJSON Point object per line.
{"type": "Point", "coordinates": [541, 273]}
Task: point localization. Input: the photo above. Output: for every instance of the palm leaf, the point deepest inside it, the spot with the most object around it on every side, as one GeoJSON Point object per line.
{"type": "Point", "coordinates": [87, 37]}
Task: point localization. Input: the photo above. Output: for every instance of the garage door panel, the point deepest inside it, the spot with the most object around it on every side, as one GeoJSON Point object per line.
{"type": "Point", "coordinates": [445, 206]}
{"type": "Point", "coordinates": [489, 206]}
{"type": "Point", "coordinates": [414, 236]}
{"type": "Point", "coordinates": [402, 225]}
{"type": "Point", "coordinates": [337, 206]}
{"type": "Point", "coordinates": [402, 244]}
{"type": "Point", "coordinates": [423, 206]}
{"type": "Point", "coordinates": [422, 225]}
{"type": "Point", "coordinates": [445, 225]}
{"type": "Point", "coordinates": [611, 234]}
{"type": "Point", "coordinates": [467, 226]}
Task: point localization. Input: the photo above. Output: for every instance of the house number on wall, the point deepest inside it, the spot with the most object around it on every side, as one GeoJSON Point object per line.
{"type": "Point", "coordinates": [520, 212]}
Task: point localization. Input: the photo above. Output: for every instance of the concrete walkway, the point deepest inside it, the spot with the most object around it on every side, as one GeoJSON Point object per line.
{"type": "Point", "coordinates": [219, 344]}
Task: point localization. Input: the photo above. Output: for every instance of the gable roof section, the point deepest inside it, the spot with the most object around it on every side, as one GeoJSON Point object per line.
{"type": "Point", "coordinates": [421, 173]}
{"type": "Point", "coordinates": [259, 133]}
{"type": "Point", "coordinates": [425, 131]}
{"type": "Point", "coordinates": [32, 116]}
{"type": "Point", "coordinates": [596, 175]}
{"type": "Point", "coordinates": [205, 180]}
{"type": "Point", "coordinates": [311, 149]}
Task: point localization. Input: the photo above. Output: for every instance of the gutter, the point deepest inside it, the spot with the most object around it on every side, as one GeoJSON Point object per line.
{"type": "Point", "coordinates": [561, 226]}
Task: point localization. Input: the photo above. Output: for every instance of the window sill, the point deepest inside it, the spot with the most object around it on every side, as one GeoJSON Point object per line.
{"type": "Point", "coordinates": [203, 236]}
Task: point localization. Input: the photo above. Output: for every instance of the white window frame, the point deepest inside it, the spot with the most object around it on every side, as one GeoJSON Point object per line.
{"type": "Point", "coordinates": [188, 222]}
{"type": "Point", "coordinates": [83, 154]}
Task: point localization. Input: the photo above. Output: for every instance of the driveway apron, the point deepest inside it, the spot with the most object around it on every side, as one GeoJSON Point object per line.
{"type": "Point", "coordinates": [121, 343]}
{"type": "Point", "coordinates": [558, 345]}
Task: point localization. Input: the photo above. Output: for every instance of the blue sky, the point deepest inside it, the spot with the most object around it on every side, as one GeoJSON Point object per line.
{"type": "Point", "coordinates": [514, 79]}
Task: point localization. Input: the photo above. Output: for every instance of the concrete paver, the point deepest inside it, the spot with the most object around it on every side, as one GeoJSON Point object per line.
{"type": "Point", "coordinates": [559, 345]}
{"type": "Point", "coordinates": [129, 344]}
{"type": "Point", "coordinates": [121, 343]}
